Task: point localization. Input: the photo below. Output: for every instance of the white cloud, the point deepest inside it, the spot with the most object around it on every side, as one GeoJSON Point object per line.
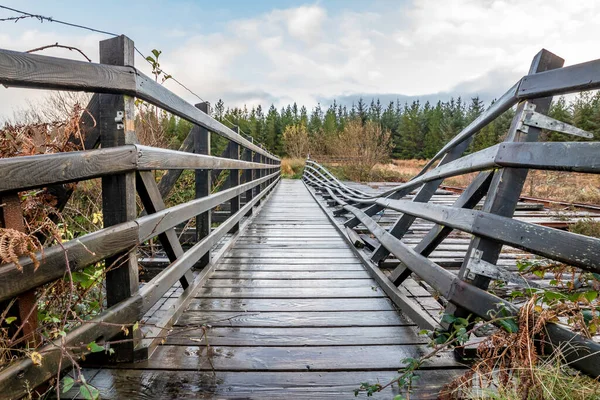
{"type": "Point", "coordinates": [309, 52]}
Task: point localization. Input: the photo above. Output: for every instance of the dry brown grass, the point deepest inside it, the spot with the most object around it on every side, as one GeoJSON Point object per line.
{"type": "Point", "coordinates": [554, 185]}
{"type": "Point", "coordinates": [292, 167]}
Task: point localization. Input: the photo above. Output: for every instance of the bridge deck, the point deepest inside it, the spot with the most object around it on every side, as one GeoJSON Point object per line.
{"type": "Point", "coordinates": [292, 314]}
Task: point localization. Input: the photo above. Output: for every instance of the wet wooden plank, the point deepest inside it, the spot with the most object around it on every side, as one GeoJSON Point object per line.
{"type": "Point", "coordinates": [293, 319]}
{"type": "Point", "coordinates": [253, 305]}
{"type": "Point", "coordinates": [265, 293]}
{"type": "Point", "coordinates": [279, 337]}
{"type": "Point", "coordinates": [290, 275]}
{"type": "Point", "coordinates": [151, 384]}
{"type": "Point", "coordinates": [290, 283]}
{"type": "Point", "coordinates": [292, 359]}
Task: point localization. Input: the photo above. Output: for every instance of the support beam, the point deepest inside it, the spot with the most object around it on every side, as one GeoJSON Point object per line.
{"type": "Point", "coordinates": [203, 183]}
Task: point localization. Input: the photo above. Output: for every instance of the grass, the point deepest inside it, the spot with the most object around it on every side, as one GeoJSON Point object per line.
{"type": "Point", "coordinates": [292, 168]}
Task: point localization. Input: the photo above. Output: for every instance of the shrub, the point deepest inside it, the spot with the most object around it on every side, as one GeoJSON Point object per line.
{"type": "Point", "coordinates": [295, 141]}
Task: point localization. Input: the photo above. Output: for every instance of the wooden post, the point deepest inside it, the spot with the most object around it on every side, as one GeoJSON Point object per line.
{"type": "Point", "coordinates": [203, 183]}
{"type": "Point", "coordinates": [257, 174]}
{"type": "Point", "coordinates": [249, 177]}
{"type": "Point", "coordinates": [234, 180]}
{"type": "Point", "coordinates": [26, 305]}
{"type": "Point", "coordinates": [117, 116]}
{"type": "Point", "coordinates": [507, 184]}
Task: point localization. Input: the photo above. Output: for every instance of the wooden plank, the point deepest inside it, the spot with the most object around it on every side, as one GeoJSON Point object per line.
{"type": "Point", "coordinates": [286, 293]}
{"type": "Point", "coordinates": [153, 384]}
{"type": "Point", "coordinates": [290, 275]}
{"type": "Point", "coordinates": [35, 171]}
{"type": "Point", "coordinates": [293, 319]}
{"type": "Point", "coordinates": [288, 283]}
{"type": "Point", "coordinates": [293, 359]}
{"type": "Point", "coordinates": [43, 72]}
{"type": "Point", "coordinates": [293, 304]}
{"type": "Point", "coordinates": [278, 337]}
{"type": "Point", "coordinates": [81, 252]}
{"type": "Point", "coordinates": [150, 158]}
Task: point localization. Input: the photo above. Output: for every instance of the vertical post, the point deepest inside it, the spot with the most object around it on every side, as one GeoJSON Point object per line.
{"type": "Point", "coordinates": [117, 116]}
{"type": "Point", "coordinates": [26, 305]}
{"type": "Point", "coordinates": [203, 182]}
{"type": "Point", "coordinates": [507, 184]}
{"type": "Point", "coordinates": [249, 177]}
{"type": "Point", "coordinates": [234, 180]}
{"type": "Point", "coordinates": [257, 175]}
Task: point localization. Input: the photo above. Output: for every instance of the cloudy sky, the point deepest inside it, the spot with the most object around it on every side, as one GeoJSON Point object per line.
{"type": "Point", "coordinates": [263, 52]}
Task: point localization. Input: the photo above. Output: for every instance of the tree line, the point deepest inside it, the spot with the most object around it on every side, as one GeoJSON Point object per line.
{"type": "Point", "coordinates": [418, 130]}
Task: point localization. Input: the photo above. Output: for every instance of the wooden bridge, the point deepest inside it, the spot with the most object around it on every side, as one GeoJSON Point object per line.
{"type": "Point", "coordinates": [277, 300]}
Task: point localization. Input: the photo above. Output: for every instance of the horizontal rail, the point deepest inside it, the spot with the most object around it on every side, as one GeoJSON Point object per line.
{"type": "Point", "coordinates": [29, 172]}
{"type": "Point", "coordinates": [109, 323]}
{"type": "Point", "coordinates": [106, 242]}
{"type": "Point", "coordinates": [577, 250]}
{"type": "Point", "coordinates": [44, 72]}
{"type": "Point", "coordinates": [506, 230]}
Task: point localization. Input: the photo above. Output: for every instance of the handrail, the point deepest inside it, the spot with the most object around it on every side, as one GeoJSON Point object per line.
{"type": "Point", "coordinates": [502, 170]}
{"type": "Point", "coordinates": [44, 72]}
{"type": "Point", "coordinates": [125, 167]}
{"type": "Point", "coordinates": [462, 293]}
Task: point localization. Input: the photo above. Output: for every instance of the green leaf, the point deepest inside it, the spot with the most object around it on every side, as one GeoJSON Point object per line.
{"type": "Point", "coordinates": [399, 397]}
{"type": "Point", "coordinates": [67, 383]}
{"type": "Point", "coordinates": [424, 332]}
{"type": "Point", "coordinates": [10, 320]}
{"type": "Point", "coordinates": [538, 273]}
{"type": "Point", "coordinates": [448, 318]}
{"type": "Point", "coordinates": [509, 325]}
{"type": "Point", "coordinates": [591, 295]}
{"type": "Point", "coordinates": [136, 326]}
{"type": "Point", "coordinates": [156, 53]}
{"type": "Point", "coordinates": [95, 347]}
{"type": "Point", "coordinates": [89, 392]}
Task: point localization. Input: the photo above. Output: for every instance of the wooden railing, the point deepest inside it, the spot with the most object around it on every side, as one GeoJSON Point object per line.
{"type": "Point", "coordinates": [502, 171]}
{"type": "Point", "coordinates": [126, 168]}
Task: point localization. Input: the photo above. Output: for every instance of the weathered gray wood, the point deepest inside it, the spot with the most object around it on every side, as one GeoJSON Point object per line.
{"type": "Point", "coordinates": [150, 158]}
{"type": "Point", "coordinates": [297, 359]}
{"type": "Point", "coordinates": [290, 305]}
{"type": "Point", "coordinates": [234, 181]}
{"type": "Point", "coordinates": [21, 173]}
{"type": "Point", "coordinates": [81, 252]}
{"type": "Point", "coordinates": [468, 297]}
{"type": "Point", "coordinates": [151, 225]}
{"type": "Point", "coordinates": [468, 199]}
{"type": "Point", "coordinates": [288, 283]}
{"type": "Point", "coordinates": [203, 183]}
{"type": "Point", "coordinates": [424, 194]}
{"type": "Point", "coordinates": [249, 175]}
{"type": "Point", "coordinates": [507, 184]}
{"type": "Point", "coordinates": [574, 78]}
{"type": "Point", "coordinates": [164, 384]}
{"type": "Point", "coordinates": [43, 72]}
{"type": "Point", "coordinates": [282, 293]}
{"type": "Point", "coordinates": [292, 319]}
{"type": "Point", "coordinates": [324, 336]}
{"type": "Point", "coordinates": [118, 191]}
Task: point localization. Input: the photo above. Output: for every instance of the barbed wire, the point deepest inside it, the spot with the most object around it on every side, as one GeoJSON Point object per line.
{"type": "Point", "coordinates": [43, 18]}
